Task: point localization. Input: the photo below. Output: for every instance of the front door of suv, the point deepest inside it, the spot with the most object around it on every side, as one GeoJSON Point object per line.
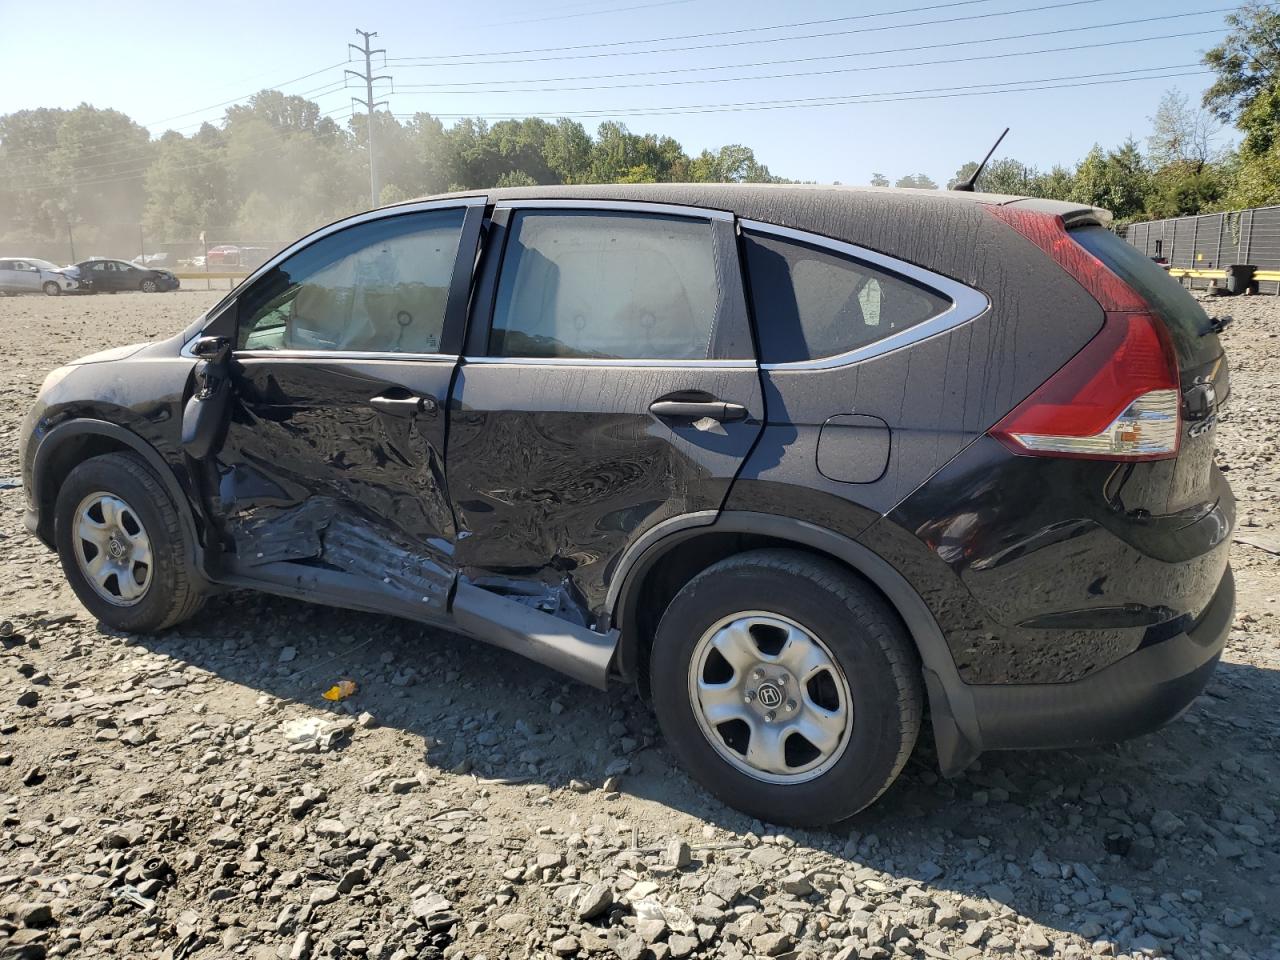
{"type": "Point", "coordinates": [609, 384]}
{"type": "Point", "coordinates": [331, 476]}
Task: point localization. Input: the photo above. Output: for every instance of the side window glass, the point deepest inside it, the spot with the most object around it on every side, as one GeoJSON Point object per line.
{"type": "Point", "coordinates": [811, 303]}
{"type": "Point", "coordinates": [379, 287]}
{"type": "Point", "coordinates": [606, 285]}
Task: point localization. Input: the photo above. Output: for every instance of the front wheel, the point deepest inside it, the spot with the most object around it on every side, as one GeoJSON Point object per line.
{"type": "Point", "coordinates": [122, 545]}
{"type": "Point", "coordinates": [51, 288]}
{"type": "Point", "coordinates": [148, 286]}
{"type": "Point", "coordinates": [787, 686]}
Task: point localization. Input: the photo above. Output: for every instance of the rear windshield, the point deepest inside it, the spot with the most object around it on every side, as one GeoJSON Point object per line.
{"type": "Point", "coordinates": [1187, 322]}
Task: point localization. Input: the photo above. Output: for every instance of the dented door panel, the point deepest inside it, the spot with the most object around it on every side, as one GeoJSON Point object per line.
{"type": "Point", "coordinates": [314, 470]}
{"type": "Point", "coordinates": [556, 468]}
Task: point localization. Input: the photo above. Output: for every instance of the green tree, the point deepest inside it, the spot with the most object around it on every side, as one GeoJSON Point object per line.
{"type": "Point", "coordinates": [516, 178]}
{"type": "Point", "coordinates": [567, 150]}
{"type": "Point", "coordinates": [879, 180]}
{"type": "Point", "coordinates": [919, 181]}
{"type": "Point", "coordinates": [1117, 180]}
{"type": "Point", "coordinates": [1057, 184]}
{"type": "Point", "coordinates": [732, 163]}
{"type": "Point", "coordinates": [1246, 63]}
{"type": "Point", "coordinates": [187, 188]}
{"type": "Point", "coordinates": [1180, 134]}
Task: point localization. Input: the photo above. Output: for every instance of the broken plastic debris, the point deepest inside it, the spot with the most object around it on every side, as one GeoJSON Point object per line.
{"type": "Point", "coordinates": [130, 894]}
{"type": "Point", "coordinates": [340, 690]}
{"type": "Point", "coordinates": [303, 730]}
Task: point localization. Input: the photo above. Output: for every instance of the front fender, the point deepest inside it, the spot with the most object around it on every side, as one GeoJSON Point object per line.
{"type": "Point", "coordinates": [60, 448]}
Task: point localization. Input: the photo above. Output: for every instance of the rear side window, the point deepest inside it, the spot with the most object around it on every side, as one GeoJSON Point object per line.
{"type": "Point", "coordinates": [811, 303]}
{"type": "Point", "coordinates": [606, 285]}
{"type": "Point", "coordinates": [1188, 324]}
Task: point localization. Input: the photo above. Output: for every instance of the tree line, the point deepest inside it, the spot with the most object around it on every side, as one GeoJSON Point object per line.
{"type": "Point", "coordinates": [276, 165]}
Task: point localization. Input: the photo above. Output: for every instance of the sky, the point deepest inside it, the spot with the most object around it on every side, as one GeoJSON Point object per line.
{"type": "Point", "coordinates": [871, 95]}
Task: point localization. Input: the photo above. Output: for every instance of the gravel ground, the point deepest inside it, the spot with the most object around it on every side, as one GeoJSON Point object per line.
{"type": "Point", "coordinates": [192, 794]}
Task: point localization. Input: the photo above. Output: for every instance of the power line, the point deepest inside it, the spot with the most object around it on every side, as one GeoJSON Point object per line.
{"type": "Point", "coordinates": [474, 60]}
{"type": "Point", "coordinates": [305, 76]}
{"type": "Point", "coordinates": [590, 13]}
{"type": "Point", "coordinates": [448, 87]}
{"type": "Point", "coordinates": [819, 73]}
{"type": "Point", "coordinates": [844, 100]}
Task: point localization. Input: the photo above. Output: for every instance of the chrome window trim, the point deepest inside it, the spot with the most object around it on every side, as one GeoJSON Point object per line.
{"type": "Point", "coordinates": [616, 206]}
{"type": "Point", "coordinates": [339, 355]}
{"type": "Point", "coordinates": [966, 303]}
{"type": "Point", "coordinates": [400, 209]}
{"type": "Point", "coordinates": [610, 362]}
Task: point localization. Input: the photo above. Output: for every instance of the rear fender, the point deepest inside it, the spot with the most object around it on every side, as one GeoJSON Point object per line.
{"type": "Point", "coordinates": [952, 708]}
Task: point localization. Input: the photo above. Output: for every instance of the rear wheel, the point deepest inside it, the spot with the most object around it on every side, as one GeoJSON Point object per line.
{"type": "Point", "coordinates": [122, 545]}
{"type": "Point", "coordinates": [787, 686]}
{"type": "Point", "coordinates": [148, 286]}
{"type": "Point", "coordinates": [51, 288]}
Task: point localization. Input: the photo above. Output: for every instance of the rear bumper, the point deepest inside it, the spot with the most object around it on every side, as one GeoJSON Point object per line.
{"type": "Point", "coordinates": [1135, 695]}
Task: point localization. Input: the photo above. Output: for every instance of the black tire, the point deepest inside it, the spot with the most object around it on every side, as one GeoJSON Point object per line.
{"type": "Point", "coordinates": [51, 288]}
{"type": "Point", "coordinates": [171, 595]}
{"type": "Point", "coordinates": [868, 644]}
{"type": "Point", "coordinates": [148, 286]}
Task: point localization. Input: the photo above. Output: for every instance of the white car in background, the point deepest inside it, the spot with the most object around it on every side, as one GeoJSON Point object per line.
{"type": "Point", "coordinates": [31, 275]}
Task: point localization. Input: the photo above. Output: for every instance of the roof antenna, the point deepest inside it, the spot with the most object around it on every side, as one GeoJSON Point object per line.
{"type": "Point", "coordinates": [966, 185]}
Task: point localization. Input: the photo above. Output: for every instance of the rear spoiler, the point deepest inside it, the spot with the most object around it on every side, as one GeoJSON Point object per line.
{"type": "Point", "coordinates": [1072, 214]}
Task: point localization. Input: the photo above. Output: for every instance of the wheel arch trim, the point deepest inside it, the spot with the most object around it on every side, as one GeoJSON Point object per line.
{"type": "Point", "coordinates": [952, 707]}
{"type": "Point", "coordinates": [69, 430]}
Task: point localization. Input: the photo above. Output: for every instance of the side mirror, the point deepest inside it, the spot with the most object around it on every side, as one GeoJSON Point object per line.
{"type": "Point", "coordinates": [213, 349]}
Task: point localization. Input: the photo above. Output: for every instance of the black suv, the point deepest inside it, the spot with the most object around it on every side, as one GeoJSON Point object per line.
{"type": "Point", "coordinates": [797, 461]}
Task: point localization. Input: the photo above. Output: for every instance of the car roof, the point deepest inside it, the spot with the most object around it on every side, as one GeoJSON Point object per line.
{"type": "Point", "coordinates": [947, 231]}
{"type": "Point", "coordinates": [744, 199]}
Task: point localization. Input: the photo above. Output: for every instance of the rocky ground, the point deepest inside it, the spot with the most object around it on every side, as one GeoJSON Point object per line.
{"type": "Point", "coordinates": [193, 795]}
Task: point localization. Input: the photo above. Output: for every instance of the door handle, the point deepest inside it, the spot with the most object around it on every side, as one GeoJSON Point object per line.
{"type": "Point", "coordinates": [405, 404]}
{"type": "Point", "coordinates": [698, 410]}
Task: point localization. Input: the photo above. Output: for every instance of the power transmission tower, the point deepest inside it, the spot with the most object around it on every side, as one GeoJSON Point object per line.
{"type": "Point", "coordinates": [369, 103]}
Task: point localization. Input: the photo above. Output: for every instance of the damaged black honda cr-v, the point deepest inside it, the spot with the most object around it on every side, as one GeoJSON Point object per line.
{"type": "Point", "coordinates": [800, 462]}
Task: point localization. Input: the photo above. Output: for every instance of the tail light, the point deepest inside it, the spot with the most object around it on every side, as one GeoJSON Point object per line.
{"type": "Point", "coordinates": [1119, 397]}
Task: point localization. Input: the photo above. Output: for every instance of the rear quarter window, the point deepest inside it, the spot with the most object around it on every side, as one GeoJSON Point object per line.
{"type": "Point", "coordinates": [1188, 324]}
{"type": "Point", "coordinates": [811, 303]}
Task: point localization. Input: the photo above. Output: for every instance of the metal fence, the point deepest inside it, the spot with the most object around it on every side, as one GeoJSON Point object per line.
{"type": "Point", "coordinates": [1214, 241]}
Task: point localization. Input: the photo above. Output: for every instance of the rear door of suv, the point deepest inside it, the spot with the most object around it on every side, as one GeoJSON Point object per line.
{"type": "Point", "coordinates": [609, 385]}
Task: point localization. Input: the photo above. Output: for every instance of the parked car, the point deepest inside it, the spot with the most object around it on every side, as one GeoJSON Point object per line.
{"type": "Point", "coordinates": [798, 462]}
{"type": "Point", "coordinates": [153, 260]}
{"type": "Point", "coordinates": [112, 276]}
{"type": "Point", "coordinates": [32, 275]}
{"type": "Point", "coordinates": [243, 256]}
{"type": "Point", "coordinates": [223, 255]}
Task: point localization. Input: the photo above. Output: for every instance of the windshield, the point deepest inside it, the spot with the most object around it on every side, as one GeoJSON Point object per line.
{"type": "Point", "coordinates": [42, 264]}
